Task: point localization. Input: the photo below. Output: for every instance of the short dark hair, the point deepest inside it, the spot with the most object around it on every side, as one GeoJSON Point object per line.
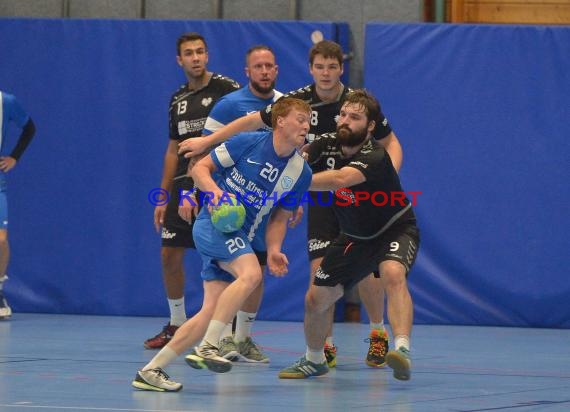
{"type": "Point", "coordinates": [327, 49]}
{"type": "Point", "coordinates": [255, 48]}
{"type": "Point", "coordinates": [365, 99]}
{"type": "Point", "coordinates": [190, 36]}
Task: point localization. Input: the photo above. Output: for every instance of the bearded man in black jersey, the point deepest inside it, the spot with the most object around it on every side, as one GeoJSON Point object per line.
{"type": "Point", "coordinates": [372, 237]}
{"type": "Point", "coordinates": [325, 96]}
{"type": "Point", "coordinates": [189, 109]}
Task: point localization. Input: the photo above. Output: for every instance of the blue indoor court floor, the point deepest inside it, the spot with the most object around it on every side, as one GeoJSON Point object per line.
{"type": "Point", "coordinates": [86, 363]}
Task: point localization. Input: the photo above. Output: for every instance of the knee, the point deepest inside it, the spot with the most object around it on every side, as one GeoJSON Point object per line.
{"type": "Point", "coordinates": [394, 274]}
{"type": "Point", "coordinates": [316, 302]}
{"type": "Point", "coordinates": [252, 279]}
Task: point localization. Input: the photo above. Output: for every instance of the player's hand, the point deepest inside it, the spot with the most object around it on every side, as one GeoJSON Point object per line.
{"type": "Point", "coordinates": [188, 209]}
{"type": "Point", "coordinates": [159, 212]}
{"type": "Point", "coordinates": [297, 217]}
{"type": "Point", "coordinates": [193, 146]}
{"type": "Point", "coordinates": [7, 163]}
{"type": "Point", "coordinates": [277, 264]}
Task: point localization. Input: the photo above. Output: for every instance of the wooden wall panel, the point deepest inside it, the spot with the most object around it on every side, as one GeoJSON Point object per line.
{"type": "Point", "coordinates": [509, 11]}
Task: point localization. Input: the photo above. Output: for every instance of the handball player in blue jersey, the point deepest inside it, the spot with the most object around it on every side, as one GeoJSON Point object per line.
{"type": "Point", "coordinates": [266, 170]}
{"type": "Point", "coordinates": [261, 69]}
{"type": "Point", "coordinates": [10, 112]}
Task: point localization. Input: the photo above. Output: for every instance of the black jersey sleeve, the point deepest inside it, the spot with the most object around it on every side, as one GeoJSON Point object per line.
{"type": "Point", "coordinates": [266, 115]}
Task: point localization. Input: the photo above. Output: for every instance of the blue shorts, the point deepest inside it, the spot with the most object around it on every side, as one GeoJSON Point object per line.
{"type": "Point", "coordinates": [215, 246]}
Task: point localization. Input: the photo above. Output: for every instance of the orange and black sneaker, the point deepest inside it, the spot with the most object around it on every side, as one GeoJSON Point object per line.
{"type": "Point", "coordinates": [378, 349]}
{"type": "Point", "coordinates": [330, 354]}
{"type": "Point", "coordinates": [161, 340]}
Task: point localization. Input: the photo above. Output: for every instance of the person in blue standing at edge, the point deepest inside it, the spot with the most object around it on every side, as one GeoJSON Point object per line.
{"type": "Point", "coordinates": [10, 112]}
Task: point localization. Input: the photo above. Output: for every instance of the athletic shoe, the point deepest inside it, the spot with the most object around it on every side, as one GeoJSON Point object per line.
{"type": "Point", "coordinates": [399, 360]}
{"type": "Point", "coordinates": [207, 357]}
{"type": "Point", "coordinates": [161, 340]}
{"type": "Point", "coordinates": [330, 354]}
{"type": "Point", "coordinates": [250, 352]}
{"type": "Point", "coordinates": [155, 380]}
{"type": "Point", "coordinates": [303, 369]}
{"type": "Point", "coordinates": [378, 348]}
{"type": "Point", "coordinates": [5, 310]}
{"type": "Point", "coordinates": [229, 349]}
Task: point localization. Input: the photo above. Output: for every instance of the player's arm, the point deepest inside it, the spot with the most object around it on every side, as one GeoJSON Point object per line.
{"type": "Point", "coordinates": [274, 235]}
{"type": "Point", "coordinates": [28, 131]}
{"type": "Point", "coordinates": [336, 179]}
{"type": "Point", "coordinates": [168, 172]}
{"type": "Point", "coordinates": [202, 175]}
{"type": "Point", "coordinates": [394, 149]}
{"type": "Point", "coordinates": [197, 145]}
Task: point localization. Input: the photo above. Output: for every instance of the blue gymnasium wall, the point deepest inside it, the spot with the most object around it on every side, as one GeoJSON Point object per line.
{"type": "Point", "coordinates": [483, 115]}
{"type": "Point", "coordinates": [98, 90]}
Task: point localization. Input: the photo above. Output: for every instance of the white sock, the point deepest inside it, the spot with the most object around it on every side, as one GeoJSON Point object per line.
{"type": "Point", "coordinates": [212, 336]}
{"type": "Point", "coordinates": [243, 325]}
{"type": "Point", "coordinates": [161, 359]}
{"type": "Point", "coordinates": [315, 356]}
{"type": "Point", "coordinates": [402, 341]}
{"type": "Point", "coordinates": [227, 332]}
{"type": "Point", "coordinates": [3, 278]}
{"type": "Point", "coordinates": [329, 341]}
{"type": "Point", "coordinates": [177, 311]}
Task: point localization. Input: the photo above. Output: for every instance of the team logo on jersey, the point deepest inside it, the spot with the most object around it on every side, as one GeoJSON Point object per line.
{"type": "Point", "coordinates": [286, 182]}
{"type": "Point", "coordinates": [206, 101]}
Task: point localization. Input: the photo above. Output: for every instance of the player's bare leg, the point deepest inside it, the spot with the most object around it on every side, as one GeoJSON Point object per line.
{"type": "Point", "coordinates": [330, 349]}
{"type": "Point", "coordinates": [371, 290]}
{"type": "Point", "coordinates": [400, 316]}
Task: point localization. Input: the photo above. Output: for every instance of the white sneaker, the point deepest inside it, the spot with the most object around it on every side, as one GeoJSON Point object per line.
{"type": "Point", "coordinates": [250, 352]}
{"type": "Point", "coordinates": [5, 310]}
{"type": "Point", "coordinates": [207, 357]}
{"type": "Point", "coordinates": [155, 380]}
{"type": "Point", "coordinates": [228, 349]}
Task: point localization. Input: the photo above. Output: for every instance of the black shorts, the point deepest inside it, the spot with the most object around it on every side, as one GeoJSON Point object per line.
{"type": "Point", "coordinates": [350, 260]}
{"type": "Point", "coordinates": [322, 225]}
{"type": "Point", "coordinates": [176, 232]}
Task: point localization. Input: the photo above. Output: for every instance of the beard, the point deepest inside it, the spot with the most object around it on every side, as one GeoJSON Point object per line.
{"type": "Point", "coordinates": [350, 138]}
{"type": "Point", "coordinates": [263, 90]}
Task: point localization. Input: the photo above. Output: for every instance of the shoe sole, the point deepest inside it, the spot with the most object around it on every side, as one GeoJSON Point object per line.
{"type": "Point", "coordinates": [400, 365]}
{"type": "Point", "coordinates": [376, 365]}
{"type": "Point", "coordinates": [242, 358]}
{"type": "Point", "coordinates": [146, 387]}
{"type": "Point", "coordinates": [297, 375]}
{"type": "Point", "coordinates": [153, 347]}
{"type": "Point", "coordinates": [198, 362]}
{"type": "Point", "coordinates": [232, 356]}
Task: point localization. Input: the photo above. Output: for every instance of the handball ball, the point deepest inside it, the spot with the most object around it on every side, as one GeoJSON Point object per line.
{"type": "Point", "coordinates": [228, 218]}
